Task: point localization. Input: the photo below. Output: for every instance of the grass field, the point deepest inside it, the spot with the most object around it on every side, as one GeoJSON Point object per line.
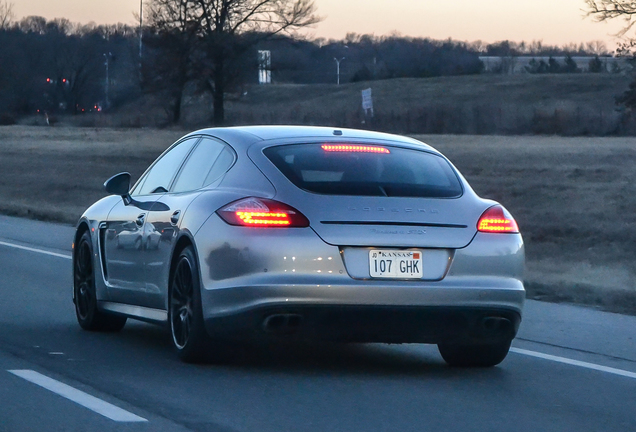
{"type": "Point", "coordinates": [562, 104]}
{"type": "Point", "coordinates": [572, 197]}
{"type": "Point", "coordinates": [565, 103]}
{"type": "Point", "coordinates": [574, 201]}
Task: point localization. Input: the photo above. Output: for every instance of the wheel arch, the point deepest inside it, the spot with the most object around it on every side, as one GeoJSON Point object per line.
{"type": "Point", "coordinates": [82, 227]}
{"type": "Point", "coordinates": [185, 239]}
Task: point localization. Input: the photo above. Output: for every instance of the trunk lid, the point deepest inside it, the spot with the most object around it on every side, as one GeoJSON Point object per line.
{"type": "Point", "coordinates": [373, 194]}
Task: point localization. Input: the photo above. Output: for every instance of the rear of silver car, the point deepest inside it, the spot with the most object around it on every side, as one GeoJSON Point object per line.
{"type": "Point", "coordinates": [387, 250]}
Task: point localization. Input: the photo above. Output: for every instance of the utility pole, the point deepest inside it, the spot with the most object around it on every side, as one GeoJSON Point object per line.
{"type": "Point", "coordinates": [141, 28]}
{"type": "Point", "coordinates": [141, 35]}
{"type": "Point", "coordinates": [107, 58]}
{"type": "Point", "coordinates": [338, 67]}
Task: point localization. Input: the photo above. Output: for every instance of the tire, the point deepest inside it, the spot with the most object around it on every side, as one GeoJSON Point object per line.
{"type": "Point", "coordinates": [187, 329]}
{"type": "Point", "coordinates": [85, 299]}
{"type": "Point", "coordinates": [477, 355]}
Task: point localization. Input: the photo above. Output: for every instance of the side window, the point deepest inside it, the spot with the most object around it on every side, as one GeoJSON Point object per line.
{"type": "Point", "coordinates": [162, 172]}
{"type": "Point", "coordinates": [221, 166]}
{"type": "Point", "coordinates": [198, 165]}
{"type": "Point", "coordinates": [202, 164]}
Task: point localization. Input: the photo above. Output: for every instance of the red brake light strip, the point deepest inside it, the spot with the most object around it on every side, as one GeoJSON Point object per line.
{"type": "Point", "coordinates": [354, 148]}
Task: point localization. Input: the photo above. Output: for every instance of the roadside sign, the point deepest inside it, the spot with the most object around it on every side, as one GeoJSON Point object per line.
{"type": "Point", "coordinates": [367, 102]}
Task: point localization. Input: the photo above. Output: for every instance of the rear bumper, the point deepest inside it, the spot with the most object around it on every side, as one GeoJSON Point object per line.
{"type": "Point", "coordinates": [365, 313]}
{"type": "Point", "coordinates": [249, 276]}
{"type": "Point", "coordinates": [365, 324]}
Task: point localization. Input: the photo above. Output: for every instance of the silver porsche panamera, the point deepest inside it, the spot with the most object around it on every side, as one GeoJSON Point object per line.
{"type": "Point", "coordinates": [284, 233]}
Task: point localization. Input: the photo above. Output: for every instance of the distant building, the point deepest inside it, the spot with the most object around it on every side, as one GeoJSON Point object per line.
{"type": "Point", "coordinates": [264, 67]}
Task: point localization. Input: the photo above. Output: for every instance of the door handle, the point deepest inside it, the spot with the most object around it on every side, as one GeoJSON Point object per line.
{"type": "Point", "coordinates": [140, 219]}
{"type": "Point", "coordinates": [175, 217]}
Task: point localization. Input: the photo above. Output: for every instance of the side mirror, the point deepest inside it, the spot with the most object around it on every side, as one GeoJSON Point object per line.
{"type": "Point", "coordinates": [119, 185]}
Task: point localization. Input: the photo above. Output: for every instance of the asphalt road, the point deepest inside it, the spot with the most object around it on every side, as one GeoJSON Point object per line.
{"type": "Point", "coordinates": [571, 369]}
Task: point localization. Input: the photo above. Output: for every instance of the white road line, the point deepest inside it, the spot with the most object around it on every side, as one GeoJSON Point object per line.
{"type": "Point", "coordinates": [84, 399]}
{"type": "Point", "coordinates": [575, 362]}
{"type": "Point", "coordinates": [35, 250]}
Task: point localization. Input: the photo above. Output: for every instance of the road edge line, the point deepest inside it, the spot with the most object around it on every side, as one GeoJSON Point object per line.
{"type": "Point", "coordinates": [94, 404]}
{"type": "Point", "coordinates": [30, 249]}
{"type": "Point", "coordinates": [572, 362]}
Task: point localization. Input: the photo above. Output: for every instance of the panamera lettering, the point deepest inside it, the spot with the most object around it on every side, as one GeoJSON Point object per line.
{"type": "Point", "coordinates": [378, 231]}
{"type": "Point", "coordinates": [395, 232]}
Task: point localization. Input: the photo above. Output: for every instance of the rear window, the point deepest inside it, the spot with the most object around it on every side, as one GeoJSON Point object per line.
{"type": "Point", "coordinates": [364, 169]}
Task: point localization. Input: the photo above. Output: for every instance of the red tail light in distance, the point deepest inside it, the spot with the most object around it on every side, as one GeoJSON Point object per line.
{"type": "Point", "coordinates": [262, 213]}
{"type": "Point", "coordinates": [497, 220]}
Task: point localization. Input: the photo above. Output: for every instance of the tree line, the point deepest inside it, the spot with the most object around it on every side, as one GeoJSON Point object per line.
{"type": "Point", "coordinates": [211, 46]}
{"type": "Point", "coordinates": [59, 66]}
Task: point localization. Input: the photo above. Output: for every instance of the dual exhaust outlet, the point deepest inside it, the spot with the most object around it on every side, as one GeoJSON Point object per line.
{"type": "Point", "coordinates": [287, 323]}
{"type": "Point", "coordinates": [282, 323]}
{"type": "Point", "coordinates": [496, 325]}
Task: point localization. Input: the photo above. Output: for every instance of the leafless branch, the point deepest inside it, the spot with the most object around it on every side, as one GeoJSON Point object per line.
{"type": "Point", "coordinates": [604, 10]}
{"type": "Point", "coordinates": [6, 14]}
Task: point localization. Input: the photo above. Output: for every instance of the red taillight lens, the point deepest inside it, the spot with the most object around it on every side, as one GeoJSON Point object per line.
{"type": "Point", "coordinates": [497, 220]}
{"type": "Point", "coordinates": [262, 213]}
{"type": "Point", "coordinates": [349, 148]}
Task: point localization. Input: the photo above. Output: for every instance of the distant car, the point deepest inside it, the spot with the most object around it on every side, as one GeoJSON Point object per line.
{"type": "Point", "coordinates": [307, 233]}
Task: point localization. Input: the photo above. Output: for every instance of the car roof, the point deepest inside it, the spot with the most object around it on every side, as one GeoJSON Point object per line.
{"type": "Point", "coordinates": [248, 135]}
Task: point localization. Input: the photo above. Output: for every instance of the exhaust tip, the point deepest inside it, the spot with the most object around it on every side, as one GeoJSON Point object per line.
{"type": "Point", "coordinates": [496, 324]}
{"type": "Point", "coordinates": [282, 323]}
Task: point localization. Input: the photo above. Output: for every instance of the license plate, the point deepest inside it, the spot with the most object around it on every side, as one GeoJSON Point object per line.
{"type": "Point", "coordinates": [395, 264]}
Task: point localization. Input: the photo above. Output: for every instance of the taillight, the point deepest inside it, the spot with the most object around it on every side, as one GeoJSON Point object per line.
{"type": "Point", "coordinates": [262, 213]}
{"type": "Point", "coordinates": [351, 148]}
{"type": "Point", "coordinates": [497, 220]}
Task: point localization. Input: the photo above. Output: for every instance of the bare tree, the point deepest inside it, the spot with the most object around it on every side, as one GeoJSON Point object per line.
{"type": "Point", "coordinates": [597, 48]}
{"type": "Point", "coordinates": [221, 26]}
{"type": "Point", "coordinates": [76, 64]}
{"type": "Point", "coordinates": [6, 14]}
{"type": "Point", "coordinates": [175, 35]}
{"type": "Point", "coordinates": [604, 10]}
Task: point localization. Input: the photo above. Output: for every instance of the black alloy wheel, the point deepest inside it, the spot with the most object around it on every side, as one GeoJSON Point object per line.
{"type": "Point", "coordinates": [182, 316]}
{"type": "Point", "coordinates": [189, 336]}
{"type": "Point", "coordinates": [85, 299]}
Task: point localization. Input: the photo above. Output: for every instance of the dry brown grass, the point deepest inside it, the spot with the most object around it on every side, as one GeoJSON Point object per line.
{"type": "Point", "coordinates": [573, 197]}
{"type": "Point", "coordinates": [55, 173]}
{"type": "Point", "coordinates": [563, 104]}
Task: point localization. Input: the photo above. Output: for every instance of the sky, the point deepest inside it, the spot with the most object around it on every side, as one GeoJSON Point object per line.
{"type": "Point", "coordinates": [555, 22]}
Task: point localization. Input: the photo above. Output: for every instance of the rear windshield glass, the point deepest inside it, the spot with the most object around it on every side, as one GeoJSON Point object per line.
{"type": "Point", "coordinates": [363, 169]}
